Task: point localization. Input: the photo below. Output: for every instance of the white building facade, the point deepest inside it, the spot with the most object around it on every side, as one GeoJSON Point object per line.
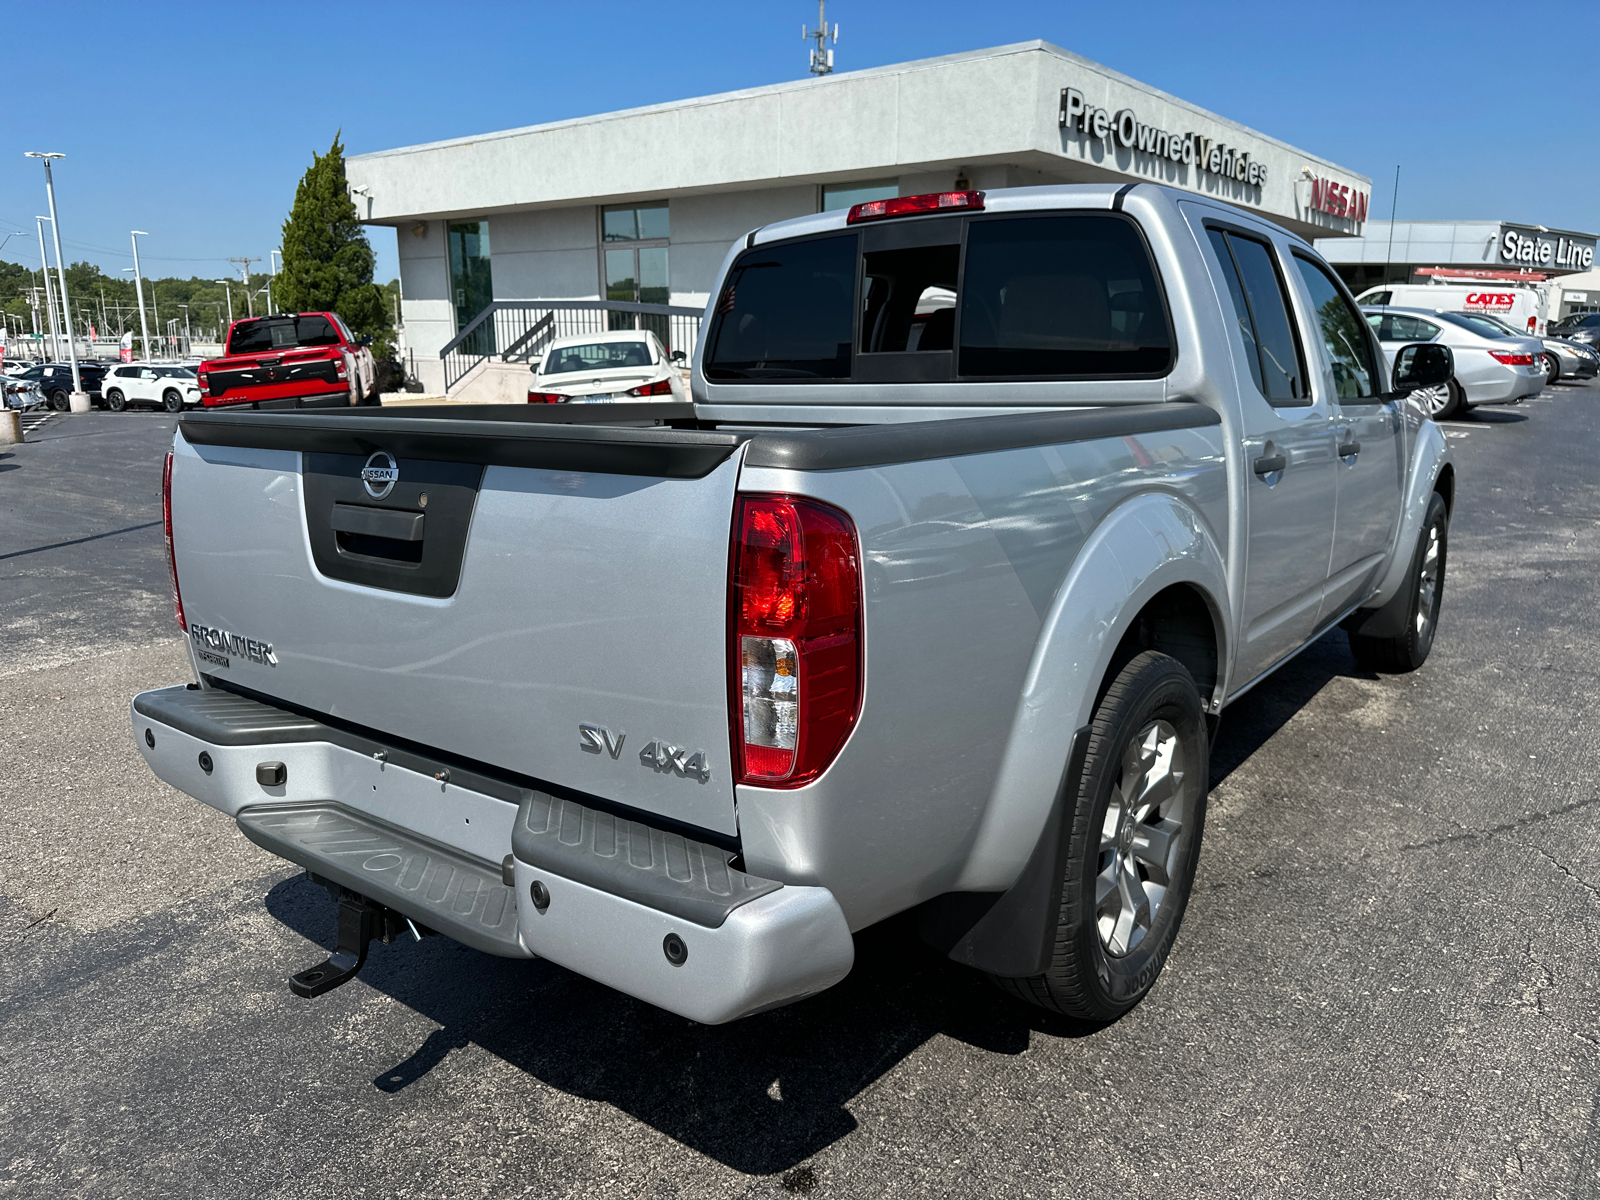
{"type": "Point", "coordinates": [643, 205]}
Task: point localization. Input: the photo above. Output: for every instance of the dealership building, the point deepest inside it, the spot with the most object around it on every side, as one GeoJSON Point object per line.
{"type": "Point", "coordinates": [641, 206]}
{"type": "Point", "coordinates": [1557, 263]}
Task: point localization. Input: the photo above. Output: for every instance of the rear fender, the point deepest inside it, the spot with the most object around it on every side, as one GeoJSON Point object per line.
{"type": "Point", "coordinates": [1144, 546]}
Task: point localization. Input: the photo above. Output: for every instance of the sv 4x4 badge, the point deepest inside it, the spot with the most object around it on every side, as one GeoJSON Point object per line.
{"type": "Point", "coordinates": [658, 755]}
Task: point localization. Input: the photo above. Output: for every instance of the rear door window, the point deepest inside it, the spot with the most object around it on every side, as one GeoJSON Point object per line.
{"type": "Point", "coordinates": [786, 313]}
{"type": "Point", "coordinates": [1061, 297]}
{"type": "Point", "coordinates": [1267, 336]}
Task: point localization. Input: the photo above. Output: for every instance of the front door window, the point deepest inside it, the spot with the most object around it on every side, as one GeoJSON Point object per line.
{"type": "Point", "coordinates": [471, 284]}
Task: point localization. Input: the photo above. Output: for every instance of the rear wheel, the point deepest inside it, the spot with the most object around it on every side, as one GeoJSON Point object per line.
{"type": "Point", "coordinates": [1135, 839]}
{"type": "Point", "coordinates": [172, 400]}
{"type": "Point", "coordinates": [1416, 607]}
{"type": "Point", "coordinates": [59, 400]}
{"type": "Point", "coordinates": [115, 400]}
{"type": "Point", "coordinates": [1552, 368]}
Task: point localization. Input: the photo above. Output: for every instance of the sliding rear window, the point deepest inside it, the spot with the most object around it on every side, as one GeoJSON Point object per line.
{"type": "Point", "coordinates": [1061, 297]}
{"type": "Point", "coordinates": [786, 313]}
{"type": "Point", "coordinates": [287, 333]}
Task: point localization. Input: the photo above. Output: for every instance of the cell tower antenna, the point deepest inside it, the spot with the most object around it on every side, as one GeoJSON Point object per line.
{"type": "Point", "coordinates": [821, 56]}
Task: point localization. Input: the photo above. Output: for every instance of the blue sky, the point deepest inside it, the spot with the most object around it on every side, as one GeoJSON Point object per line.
{"type": "Point", "coordinates": [195, 121]}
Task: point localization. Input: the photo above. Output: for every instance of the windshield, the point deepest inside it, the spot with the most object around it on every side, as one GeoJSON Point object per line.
{"type": "Point", "coordinates": [597, 356]}
{"type": "Point", "coordinates": [281, 333]}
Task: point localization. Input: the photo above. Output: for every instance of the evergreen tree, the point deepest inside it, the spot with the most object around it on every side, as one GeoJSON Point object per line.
{"type": "Point", "coordinates": [327, 260]}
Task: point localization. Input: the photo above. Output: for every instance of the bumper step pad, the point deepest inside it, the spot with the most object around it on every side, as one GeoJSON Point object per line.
{"type": "Point", "coordinates": [660, 870]}
{"type": "Point", "coordinates": [443, 888]}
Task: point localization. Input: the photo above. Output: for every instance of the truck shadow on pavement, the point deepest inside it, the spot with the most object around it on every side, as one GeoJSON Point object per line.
{"type": "Point", "coordinates": [759, 1095]}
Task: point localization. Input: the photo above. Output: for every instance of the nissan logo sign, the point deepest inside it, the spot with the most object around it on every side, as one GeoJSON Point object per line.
{"type": "Point", "coordinates": [380, 474]}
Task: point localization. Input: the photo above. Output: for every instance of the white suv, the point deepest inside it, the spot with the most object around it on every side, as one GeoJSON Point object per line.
{"type": "Point", "coordinates": [154, 384]}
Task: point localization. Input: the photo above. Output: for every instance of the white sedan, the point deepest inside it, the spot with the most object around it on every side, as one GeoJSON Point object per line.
{"type": "Point", "coordinates": [627, 367]}
{"type": "Point", "coordinates": [155, 384]}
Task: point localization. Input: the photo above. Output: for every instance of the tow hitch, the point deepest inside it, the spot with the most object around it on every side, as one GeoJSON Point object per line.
{"type": "Point", "coordinates": [360, 920]}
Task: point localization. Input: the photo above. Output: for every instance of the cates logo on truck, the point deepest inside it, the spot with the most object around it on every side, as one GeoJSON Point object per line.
{"type": "Point", "coordinates": [1491, 301]}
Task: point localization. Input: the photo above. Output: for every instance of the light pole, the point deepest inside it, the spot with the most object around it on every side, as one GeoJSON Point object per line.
{"type": "Point", "coordinates": [138, 287]}
{"type": "Point", "coordinates": [49, 293]}
{"type": "Point", "coordinates": [80, 398]}
{"type": "Point", "coordinates": [229, 290]}
{"type": "Point", "coordinates": [188, 338]}
{"type": "Point", "coordinates": [275, 265]}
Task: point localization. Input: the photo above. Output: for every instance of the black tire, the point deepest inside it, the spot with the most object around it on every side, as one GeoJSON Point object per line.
{"type": "Point", "coordinates": [1552, 368]}
{"type": "Point", "coordinates": [172, 400]}
{"type": "Point", "coordinates": [115, 400]}
{"type": "Point", "coordinates": [1395, 639]}
{"type": "Point", "coordinates": [60, 401]}
{"type": "Point", "coordinates": [1092, 974]}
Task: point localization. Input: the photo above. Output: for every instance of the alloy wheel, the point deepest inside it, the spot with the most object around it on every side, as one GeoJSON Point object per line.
{"type": "Point", "coordinates": [1140, 839]}
{"type": "Point", "coordinates": [1435, 399]}
{"type": "Point", "coordinates": [1428, 584]}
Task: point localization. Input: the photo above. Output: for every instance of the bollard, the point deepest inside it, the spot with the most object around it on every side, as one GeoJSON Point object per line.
{"type": "Point", "coordinates": [10, 427]}
{"type": "Point", "coordinates": [78, 402]}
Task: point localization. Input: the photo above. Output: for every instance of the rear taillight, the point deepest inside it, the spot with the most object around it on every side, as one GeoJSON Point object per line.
{"type": "Point", "coordinates": [544, 397]}
{"type": "Point", "coordinates": [166, 522]}
{"type": "Point", "coordinates": [795, 638]}
{"type": "Point", "coordinates": [1512, 360]}
{"type": "Point", "coordinates": [342, 367]}
{"type": "Point", "coordinates": [661, 387]}
{"type": "Point", "coordinates": [909, 206]}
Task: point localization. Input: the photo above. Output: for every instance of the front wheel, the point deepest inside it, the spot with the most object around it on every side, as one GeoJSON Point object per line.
{"type": "Point", "coordinates": [172, 400]}
{"type": "Point", "coordinates": [1135, 839]}
{"type": "Point", "coordinates": [115, 400]}
{"type": "Point", "coordinates": [1413, 614]}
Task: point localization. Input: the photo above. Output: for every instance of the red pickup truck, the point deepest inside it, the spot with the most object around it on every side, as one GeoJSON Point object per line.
{"type": "Point", "coordinates": [291, 360]}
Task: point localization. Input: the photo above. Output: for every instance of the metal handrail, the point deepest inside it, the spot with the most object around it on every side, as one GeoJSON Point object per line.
{"type": "Point", "coordinates": [524, 327]}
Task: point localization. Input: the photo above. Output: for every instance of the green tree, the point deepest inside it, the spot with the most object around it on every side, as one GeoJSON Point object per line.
{"type": "Point", "coordinates": [327, 261]}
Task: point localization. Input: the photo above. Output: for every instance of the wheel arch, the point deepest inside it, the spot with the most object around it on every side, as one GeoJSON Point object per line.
{"type": "Point", "coordinates": [1150, 576]}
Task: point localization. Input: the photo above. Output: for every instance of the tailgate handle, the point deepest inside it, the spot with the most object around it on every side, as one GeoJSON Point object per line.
{"type": "Point", "coordinates": [377, 522]}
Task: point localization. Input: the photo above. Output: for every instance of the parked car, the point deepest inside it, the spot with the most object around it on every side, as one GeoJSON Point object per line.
{"type": "Point", "coordinates": [1561, 359]}
{"type": "Point", "coordinates": [55, 380]}
{"type": "Point", "coordinates": [628, 366]}
{"type": "Point", "coordinates": [150, 385]}
{"type": "Point", "coordinates": [681, 708]}
{"type": "Point", "coordinates": [23, 394]}
{"type": "Point", "coordinates": [293, 360]}
{"type": "Point", "coordinates": [1579, 327]}
{"type": "Point", "coordinates": [15, 366]}
{"type": "Point", "coordinates": [1520, 307]}
{"type": "Point", "coordinates": [1491, 367]}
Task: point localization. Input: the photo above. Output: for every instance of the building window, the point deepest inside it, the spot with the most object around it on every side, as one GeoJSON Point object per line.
{"type": "Point", "coordinates": [471, 284]}
{"type": "Point", "coordinates": [843, 195]}
{"type": "Point", "coordinates": [633, 262]}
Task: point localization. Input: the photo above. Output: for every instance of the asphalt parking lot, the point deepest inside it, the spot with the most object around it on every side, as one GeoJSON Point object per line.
{"type": "Point", "coordinates": [1386, 984]}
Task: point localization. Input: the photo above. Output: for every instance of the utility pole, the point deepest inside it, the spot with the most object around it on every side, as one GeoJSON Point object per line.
{"type": "Point", "coordinates": [49, 293]}
{"type": "Point", "coordinates": [61, 270]}
{"type": "Point", "coordinates": [244, 267]}
{"type": "Point", "coordinates": [821, 56]}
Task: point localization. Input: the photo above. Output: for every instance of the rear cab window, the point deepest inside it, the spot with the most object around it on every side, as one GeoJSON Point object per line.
{"type": "Point", "coordinates": [268, 334]}
{"type": "Point", "coordinates": [1267, 337]}
{"type": "Point", "coordinates": [1049, 295]}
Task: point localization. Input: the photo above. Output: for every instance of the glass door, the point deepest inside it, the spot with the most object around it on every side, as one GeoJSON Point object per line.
{"type": "Point", "coordinates": [471, 283]}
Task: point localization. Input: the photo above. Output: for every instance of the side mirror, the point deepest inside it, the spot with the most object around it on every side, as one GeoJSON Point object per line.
{"type": "Point", "coordinates": [1423, 364]}
{"type": "Point", "coordinates": [364, 340]}
{"type": "Point", "coordinates": [677, 356]}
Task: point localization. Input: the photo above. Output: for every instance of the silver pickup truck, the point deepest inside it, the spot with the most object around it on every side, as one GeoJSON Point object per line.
{"type": "Point", "coordinates": [985, 508]}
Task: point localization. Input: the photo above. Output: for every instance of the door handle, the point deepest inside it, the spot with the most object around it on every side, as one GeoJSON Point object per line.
{"type": "Point", "coordinates": [1349, 449]}
{"type": "Point", "coordinates": [1270, 463]}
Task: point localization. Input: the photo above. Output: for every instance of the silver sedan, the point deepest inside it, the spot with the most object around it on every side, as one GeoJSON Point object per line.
{"type": "Point", "coordinates": [1492, 367]}
{"type": "Point", "coordinates": [1562, 359]}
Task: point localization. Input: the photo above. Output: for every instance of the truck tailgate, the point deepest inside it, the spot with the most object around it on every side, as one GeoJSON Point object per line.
{"type": "Point", "coordinates": [548, 581]}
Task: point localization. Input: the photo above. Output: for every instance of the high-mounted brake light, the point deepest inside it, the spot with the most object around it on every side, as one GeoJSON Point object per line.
{"type": "Point", "coordinates": [172, 561]}
{"type": "Point", "coordinates": [794, 616]}
{"type": "Point", "coordinates": [906, 206]}
{"type": "Point", "coordinates": [1512, 360]}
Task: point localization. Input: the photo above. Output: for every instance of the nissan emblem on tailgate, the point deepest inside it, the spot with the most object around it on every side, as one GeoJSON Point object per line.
{"type": "Point", "coordinates": [380, 474]}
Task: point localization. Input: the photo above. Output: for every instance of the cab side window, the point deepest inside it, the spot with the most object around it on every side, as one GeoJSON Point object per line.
{"type": "Point", "coordinates": [1267, 336]}
{"type": "Point", "coordinates": [1355, 369]}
